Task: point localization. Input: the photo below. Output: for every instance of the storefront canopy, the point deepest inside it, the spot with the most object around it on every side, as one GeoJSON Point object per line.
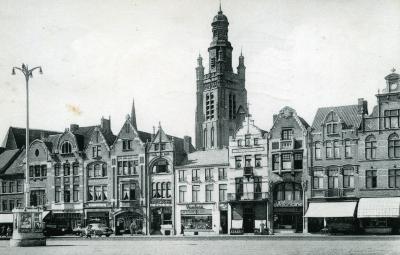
{"type": "Point", "coordinates": [6, 218]}
{"type": "Point", "coordinates": [331, 210]}
{"type": "Point", "coordinates": [384, 207]}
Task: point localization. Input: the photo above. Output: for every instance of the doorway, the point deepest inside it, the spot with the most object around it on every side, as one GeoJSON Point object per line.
{"type": "Point", "coordinates": [248, 220]}
{"type": "Point", "coordinates": [224, 222]}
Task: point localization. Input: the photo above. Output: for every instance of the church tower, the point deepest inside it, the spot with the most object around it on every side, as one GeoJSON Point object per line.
{"type": "Point", "coordinates": [221, 93]}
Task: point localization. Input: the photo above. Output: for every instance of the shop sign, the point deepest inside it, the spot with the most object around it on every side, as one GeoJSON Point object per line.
{"type": "Point", "coordinates": [248, 150]}
{"type": "Point", "coordinates": [160, 202]}
{"type": "Point", "coordinates": [288, 203]}
{"type": "Point", "coordinates": [96, 204]}
{"type": "Point", "coordinates": [198, 211]}
{"type": "Point", "coordinates": [194, 206]}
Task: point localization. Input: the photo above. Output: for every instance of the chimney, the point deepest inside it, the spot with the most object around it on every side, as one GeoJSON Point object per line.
{"type": "Point", "coordinates": [73, 127]}
{"type": "Point", "coordinates": [187, 144]}
{"type": "Point", "coordinates": [362, 106]}
{"type": "Point", "coordinates": [105, 124]}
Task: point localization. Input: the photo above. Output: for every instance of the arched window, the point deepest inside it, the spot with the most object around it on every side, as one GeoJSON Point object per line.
{"type": "Point", "coordinates": [332, 124]}
{"type": "Point", "coordinates": [370, 147]}
{"type": "Point", "coordinates": [212, 137]}
{"type": "Point", "coordinates": [394, 146]}
{"type": "Point", "coordinates": [160, 166]}
{"type": "Point", "coordinates": [205, 138]}
{"type": "Point", "coordinates": [66, 148]}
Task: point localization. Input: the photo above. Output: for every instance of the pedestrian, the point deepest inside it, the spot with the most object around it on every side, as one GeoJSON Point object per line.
{"type": "Point", "coordinates": [132, 227]}
{"type": "Point", "coordinates": [9, 231]}
{"type": "Point", "coordinates": [88, 231]}
{"type": "Point", "coordinates": [182, 230]}
{"type": "Point", "coordinates": [3, 231]}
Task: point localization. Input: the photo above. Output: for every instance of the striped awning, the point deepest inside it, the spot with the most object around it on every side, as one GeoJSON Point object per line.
{"type": "Point", "coordinates": [331, 209]}
{"type": "Point", "coordinates": [383, 207]}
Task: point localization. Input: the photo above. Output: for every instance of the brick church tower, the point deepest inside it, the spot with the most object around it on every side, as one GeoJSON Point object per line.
{"type": "Point", "coordinates": [221, 93]}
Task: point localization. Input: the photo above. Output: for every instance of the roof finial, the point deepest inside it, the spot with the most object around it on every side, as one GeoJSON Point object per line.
{"type": "Point", "coordinates": [159, 125]}
{"type": "Point", "coordinates": [241, 51]}
{"type": "Point", "coordinates": [393, 70]}
{"type": "Point", "coordinates": [220, 9]}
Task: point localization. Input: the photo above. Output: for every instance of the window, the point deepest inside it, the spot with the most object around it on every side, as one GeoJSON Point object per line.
{"type": "Point", "coordinates": [286, 161]}
{"type": "Point", "coordinates": [168, 189]}
{"type": "Point", "coordinates": [318, 179]}
{"type": "Point", "coordinates": [127, 145]}
{"type": "Point", "coordinates": [195, 193]}
{"type": "Point", "coordinates": [347, 148]}
{"type": "Point", "coordinates": [182, 194]}
{"type": "Point", "coordinates": [75, 193]}
{"type": "Point", "coordinates": [332, 124]}
{"type": "Point", "coordinates": [288, 191]}
{"type": "Point", "coordinates": [96, 151]}
{"type": "Point", "coordinates": [19, 186]}
{"type": "Point", "coordinates": [19, 203]}
{"type": "Point", "coordinates": [239, 186]}
{"type": "Point", "coordinates": [66, 148]}
{"type": "Point", "coordinates": [208, 174]}
{"type": "Point", "coordinates": [222, 175]}
{"type": "Point", "coordinates": [212, 137]}
{"type": "Point", "coordinates": [96, 170]}
{"type": "Point", "coordinates": [57, 169]}
{"type": "Point", "coordinates": [163, 146]}
{"type": "Point", "coordinates": [257, 187]}
{"type": "Point", "coordinates": [154, 189]}
{"type": "Point", "coordinates": [370, 147]}
{"type": "Point", "coordinates": [247, 140]}
{"type": "Point", "coordinates": [247, 161]}
{"type": "Point", "coordinates": [223, 192]}
{"type": "Point", "coordinates": [348, 177]}
{"type": "Point", "coordinates": [287, 134]}
{"type": "Point", "coordinates": [37, 197]}
{"type": "Point", "coordinates": [156, 147]}
{"type": "Point", "coordinates": [336, 149]}
{"type": "Point", "coordinates": [239, 142]}
{"type": "Point", "coordinates": [391, 118]}
{"type": "Point", "coordinates": [66, 167]}
{"type": "Point", "coordinates": [11, 187]}
{"type": "Point", "coordinates": [163, 190]}
{"type": "Point", "coordinates": [127, 128]}
{"type": "Point", "coordinates": [67, 194]}
{"type": "Point", "coordinates": [37, 171]}
{"type": "Point", "coordinates": [97, 193]}
{"type": "Point", "coordinates": [11, 204]}
{"type": "Point", "coordinates": [238, 162]}
{"type": "Point", "coordinates": [182, 176]}
{"type": "Point", "coordinates": [212, 63]}
{"type": "Point", "coordinates": [4, 187]}
{"type": "Point", "coordinates": [5, 205]}
{"type": "Point", "coordinates": [195, 175]}
{"type": "Point", "coordinates": [161, 166]}
{"type": "Point", "coordinates": [275, 162]}
{"type": "Point", "coordinates": [209, 191]}
{"type": "Point", "coordinates": [210, 106]}
{"type": "Point", "coordinates": [232, 106]}
{"type": "Point", "coordinates": [91, 193]}
{"type": "Point", "coordinates": [333, 181]}
{"type": "Point", "coordinates": [371, 179]}
{"type": "Point", "coordinates": [128, 191]}
{"type": "Point", "coordinates": [43, 169]}
{"type": "Point", "coordinates": [58, 194]}
{"type": "Point", "coordinates": [329, 149]}
{"type": "Point", "coordinates": [394, 146]}
{"type": "Point", "coordinates": [205, 138]}
{"type": "Point", "coordinates": [394, 178]}
{"type": "Point", "coordinates": [298, 161]}
{"type": "Point", "coordinates": [318, 150]}
{"type": "Point", "coordinates": [256, 141]}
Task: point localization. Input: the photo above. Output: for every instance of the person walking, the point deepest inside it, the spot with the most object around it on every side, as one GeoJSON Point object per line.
{"type": "Point", "coordinates": [132, 227]}
{"type": "Point", "coordinates": [182, 230]}
{"type": "Point", "coordinates": [88, 231]}
{"type": "Point", "coordinates": [9, 231]}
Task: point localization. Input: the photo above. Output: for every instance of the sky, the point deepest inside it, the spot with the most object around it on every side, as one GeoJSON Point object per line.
{"type": "Point", "coordinates": [97, 55]}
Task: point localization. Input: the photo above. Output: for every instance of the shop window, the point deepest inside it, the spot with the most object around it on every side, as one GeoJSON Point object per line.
{"type": "Point", "coordinates": [371, 179]}
{"type": "Point", "coordinates": [370, 147]}
{"type": "Point", "coordinates": [182, 194]}
{"type": "Point", "coordinates": [66, 148]}
{"type": "Point", "coordinates": [197, 222]}
{"type": "Point", "coordinates": [223, 192]}
{"type": "Point", "coordinates": [195, 193]}
{"type": "Point", "coordinates": [394, 178]}
{"type": "Point", "coordinates": [394, 146]}
{"type": "Point", "coordinates": [317, 151]}
{"type": "Point", "coordinates": [286, 161]}
{"type": "Point", "coordinates": [209, 192]}
{"type": "Point", "coordinates": [348, 177]}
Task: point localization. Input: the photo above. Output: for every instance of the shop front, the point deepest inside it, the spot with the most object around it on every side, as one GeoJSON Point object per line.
{"type": "Point", "coordinates": [161, 220]}
{"type": "Point", "coordinates": [61, 222]}
{"type": "Point", "coordinates": [287, 216]}
{"type": "Point", "coordinates": [197, 219]}
{"type": "Point", "coordinates": [102, 217]}
{"type": "Point", "coordinates": [123, 222]}
{"type": "Point", "coordinates": [332, 217]}
{"type": "Point", "coordinates": [379, 215]}
{"type": "Point", "coordinates": [248, 217]}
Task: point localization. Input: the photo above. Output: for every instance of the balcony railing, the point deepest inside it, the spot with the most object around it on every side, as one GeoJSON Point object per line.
{"type": "Point", "coordinates": [246, 196]}
{"type": "Point", "coordinates": [286, 145]}
{"type": "Point", "coordinates": [337, 192]}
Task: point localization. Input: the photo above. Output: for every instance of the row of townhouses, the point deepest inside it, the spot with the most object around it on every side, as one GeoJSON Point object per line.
{"type": "Point", "coordinates": [341, 173]}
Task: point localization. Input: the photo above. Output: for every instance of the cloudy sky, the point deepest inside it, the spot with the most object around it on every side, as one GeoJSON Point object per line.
{"type": "Point", "coordinates": [97, 55]}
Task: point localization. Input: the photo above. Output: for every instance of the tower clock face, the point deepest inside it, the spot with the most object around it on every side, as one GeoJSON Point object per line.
{"type": "Point", "coordinates": [394, 86]}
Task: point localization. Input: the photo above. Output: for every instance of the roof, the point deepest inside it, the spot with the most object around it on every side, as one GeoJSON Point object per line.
{"type": "Point", "coordinates": [7, 158]}
{"type": "Point", "coordinates": [17, 166]}
{"type": "Point", "coordinates": [206, 158]}
{"type": "Point", "coordinates": [347, 113]}
{"type": "Point", "coordinates": [108, 136]}
{"type": "Point", "coordinates": [15, 138]}
{"type": "Point", "coordinates": [304, 122]}
{"type": "Point", "coordinates": [144, 136]}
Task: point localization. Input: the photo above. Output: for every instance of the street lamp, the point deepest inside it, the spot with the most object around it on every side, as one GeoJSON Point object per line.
{"type": "Point", "coordinates": [28, 227]}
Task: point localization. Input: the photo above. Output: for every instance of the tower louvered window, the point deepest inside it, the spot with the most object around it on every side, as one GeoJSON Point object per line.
{"type": "Point", "coordinates": [210, 106]}
{"type": "Point", "coordinates": [232, 106]}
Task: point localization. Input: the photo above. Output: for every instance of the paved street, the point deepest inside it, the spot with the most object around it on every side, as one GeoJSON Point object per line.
{"type": "Point", "coordinates": [209, 246]}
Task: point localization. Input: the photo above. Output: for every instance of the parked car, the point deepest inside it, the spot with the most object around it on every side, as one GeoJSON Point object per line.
{"type": "Point", "coordinates": [97, 229]}
{"type": "Point", "coordinates": [79, 231]}
{"type": "Point", "coordinates": [55, 230]}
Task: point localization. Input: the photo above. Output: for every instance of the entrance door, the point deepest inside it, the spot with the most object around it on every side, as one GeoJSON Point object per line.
{"type": "Point", "coordinates": [224, 222]}
{"type": "Point", "coordinates": [156, 224]}
{"type": "Point", "coordinates": [248, 220]}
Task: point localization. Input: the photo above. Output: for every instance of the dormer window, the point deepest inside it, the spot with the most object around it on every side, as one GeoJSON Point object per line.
{"type": "Point", "coordinates": [287, 134]}
{"type": "Point", "coordinates": [247, 140]}
{"type": "Point", "coordinates": [332, 124]}
{"type": "Point", "coordinates": [127, 145]}
{"type": "Point", "coordinates": [66, 148]}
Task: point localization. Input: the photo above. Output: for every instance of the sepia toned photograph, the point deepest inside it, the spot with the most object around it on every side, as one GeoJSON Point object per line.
{"type": "Point", "coordinates": [200, 127]}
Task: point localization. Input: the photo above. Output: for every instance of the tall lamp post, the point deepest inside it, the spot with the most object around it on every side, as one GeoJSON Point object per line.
{"type": "Point", "coordinates": [28, 227]}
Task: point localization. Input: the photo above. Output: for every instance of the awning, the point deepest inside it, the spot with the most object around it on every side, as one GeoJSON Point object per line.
{"type": "Point", "coordinates": [45, 213]}
{"type": "Point", "coordinates": [331, 209]}
{"type": "Point", "coordinates": [384, 207]}
{"type": "Point", "coordinates": [6, 218]}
